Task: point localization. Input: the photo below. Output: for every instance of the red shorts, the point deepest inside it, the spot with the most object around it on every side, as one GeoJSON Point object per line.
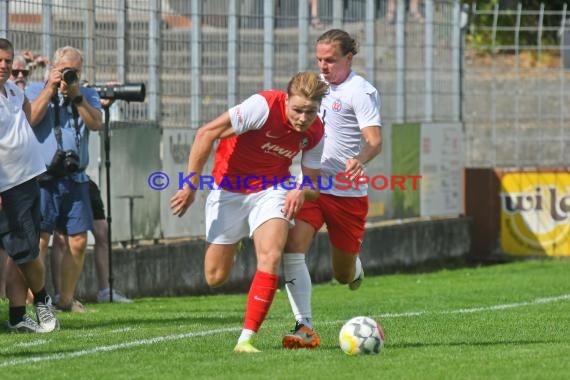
{"type": "Point", "coordinates": [344, 216]}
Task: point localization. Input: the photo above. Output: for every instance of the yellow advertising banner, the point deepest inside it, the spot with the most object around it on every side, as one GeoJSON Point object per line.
{"type": "Point", "coordinates": [535, 213]}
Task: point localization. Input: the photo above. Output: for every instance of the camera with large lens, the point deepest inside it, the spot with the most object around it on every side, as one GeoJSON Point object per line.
{"type": "Point", "coordinates": [130, 92]}
{"type": "Point", "coordinates": [64, 163]}
{"type": "Point", "coordinates": [69, 76]}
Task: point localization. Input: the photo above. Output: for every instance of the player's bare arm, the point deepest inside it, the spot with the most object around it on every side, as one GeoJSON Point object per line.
{"type": "Point", "coordinates": [371, 148]}
{"type": "Point", "coordinates": [295, 199]}
{"type": "Point", "coordinates": [199, 153]}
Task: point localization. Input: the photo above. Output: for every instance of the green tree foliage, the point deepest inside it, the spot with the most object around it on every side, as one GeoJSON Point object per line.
{"type": "Point", "coordinates": [507, 20]}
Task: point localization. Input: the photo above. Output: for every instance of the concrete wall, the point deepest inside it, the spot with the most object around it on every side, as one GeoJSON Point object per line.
{"type": "Point", "coordinates": [177, 268]}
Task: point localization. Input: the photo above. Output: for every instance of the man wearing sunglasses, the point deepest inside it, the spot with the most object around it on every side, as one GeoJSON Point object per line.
{"type": "Point", "coordinates": [20, 72]}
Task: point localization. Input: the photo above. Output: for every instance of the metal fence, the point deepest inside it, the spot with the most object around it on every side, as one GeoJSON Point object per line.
{"type": "Point", "coordinates": [517, 95]}
{"type": "Point", "coordinates": [197, 58]}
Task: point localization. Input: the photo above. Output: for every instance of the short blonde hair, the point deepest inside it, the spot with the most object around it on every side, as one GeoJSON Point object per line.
{"type": "Point", "coordinates": [309, 85]}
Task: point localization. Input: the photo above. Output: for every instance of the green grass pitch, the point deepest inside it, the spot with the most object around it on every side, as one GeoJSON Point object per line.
{"type": "Point", "coordinates": [509, 321]}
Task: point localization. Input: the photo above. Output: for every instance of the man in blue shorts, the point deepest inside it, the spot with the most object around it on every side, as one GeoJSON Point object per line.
{"type": "Point", "coordinates": [20, 164]}
{"type": "Point", "coordinates": [63, 113]}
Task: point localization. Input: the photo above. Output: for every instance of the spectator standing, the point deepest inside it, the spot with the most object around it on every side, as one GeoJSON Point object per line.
{"type": "Point", "coordinates": [315, 19]}
{"type": "Point", "coordinates": [63, 113]}
{"type": "Point", "coordinates": [19, 76]}
{"type": "Point", "coordinates": [20, 164]}
{"type": "Point", "coordinates": [414, 12]}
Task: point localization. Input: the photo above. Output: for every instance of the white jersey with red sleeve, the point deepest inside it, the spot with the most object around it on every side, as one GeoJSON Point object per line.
{"type": "Point", "coordinates": [348, 108]}
{"type": "Point", "coordinates": [264, 146]}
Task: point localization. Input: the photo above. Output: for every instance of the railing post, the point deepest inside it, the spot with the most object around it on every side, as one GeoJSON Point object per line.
{"type": "Point", "coordinates": [268, 43]}
{"type": "Point", "coordinates": [233, 52]}
{"type": "Point", "coordinates": [154, 42]}
{"type": "Point", "coordinates": [196, 65]}
{"type": "Point", "coordinates": [4, 5]}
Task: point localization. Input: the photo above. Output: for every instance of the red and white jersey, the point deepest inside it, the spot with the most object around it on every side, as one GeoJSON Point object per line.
{"type": "Point", "coordinates": [265, 144]}
{"type": "Point", "coordinates": [348, 108]}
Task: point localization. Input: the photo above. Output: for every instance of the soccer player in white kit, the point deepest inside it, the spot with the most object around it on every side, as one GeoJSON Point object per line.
{"type": "Point", "coordinates": [253, 195]}
{"type": "Point", "coordinates": [351, 114]}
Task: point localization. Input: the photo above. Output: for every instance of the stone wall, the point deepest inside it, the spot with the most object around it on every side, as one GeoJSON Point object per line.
{"type": "Point", "coordinates": [177, 268]}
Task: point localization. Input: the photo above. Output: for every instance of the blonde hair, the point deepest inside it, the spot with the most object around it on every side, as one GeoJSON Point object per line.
{"type": "Point", "coordinates": [309, 85]}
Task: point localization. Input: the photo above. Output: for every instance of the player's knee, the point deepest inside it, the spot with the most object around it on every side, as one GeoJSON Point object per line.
{"type": "Point", "coordinates": [296, 243]}
{"type": "Point", "coordinates": [216, 278]}
{"type": "Point", "coordinates": [269, 261]}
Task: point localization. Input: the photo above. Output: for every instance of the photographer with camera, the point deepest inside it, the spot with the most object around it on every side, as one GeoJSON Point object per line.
{"type": "Point", "coordinates": [63, 113]}
{"type": "Point", "coordinates": [100, 233]}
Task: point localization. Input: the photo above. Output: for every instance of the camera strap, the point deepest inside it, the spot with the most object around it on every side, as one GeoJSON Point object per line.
{"type": "Point", "coordinates": [75, 114]}
{"type": "Point", "coordinates": [57, 126]}
{"type": "Point", "coordinates": [57, 122]}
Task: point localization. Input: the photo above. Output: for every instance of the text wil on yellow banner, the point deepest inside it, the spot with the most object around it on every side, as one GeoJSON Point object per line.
{"type": "Point", "coordinates": [535, 213]}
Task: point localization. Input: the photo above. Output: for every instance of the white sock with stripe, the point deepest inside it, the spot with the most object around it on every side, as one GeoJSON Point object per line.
{"type": "Point", "coordinates": [299, 287]}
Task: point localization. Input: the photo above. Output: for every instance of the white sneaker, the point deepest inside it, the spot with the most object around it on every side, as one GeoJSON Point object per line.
{"type": "Point", "coordinates": [26, 325]}
{"type": "Point", "coordinates": [103, 296]}
{"type": "Point", "coordinates": [45, 315]}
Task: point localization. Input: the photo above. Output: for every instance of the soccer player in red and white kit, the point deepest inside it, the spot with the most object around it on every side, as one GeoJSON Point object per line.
{"type": "Point", "coordinates": [258, 140]}
{"type": "Point", "coordinates": [351, 114]}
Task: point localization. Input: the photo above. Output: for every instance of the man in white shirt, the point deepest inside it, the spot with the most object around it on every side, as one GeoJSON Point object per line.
{"type": "Point", "coordinates": [20, 164]}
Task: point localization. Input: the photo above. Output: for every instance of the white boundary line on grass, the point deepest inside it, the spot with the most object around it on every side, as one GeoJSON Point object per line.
{"type": "Point", "coordinates": [536, 301]}
{"type": "Point", "coordinates": [114, 347]}
{"type": "Point", "coordinates": [159, 339]}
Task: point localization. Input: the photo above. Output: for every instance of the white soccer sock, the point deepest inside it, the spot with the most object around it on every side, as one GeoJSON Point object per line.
{"type": "Point", "coordinates": [298, 285]}
{"type": "Point", "coordinates": [245, 335]}
{"type": "Point", "coordinates": [357, 268]}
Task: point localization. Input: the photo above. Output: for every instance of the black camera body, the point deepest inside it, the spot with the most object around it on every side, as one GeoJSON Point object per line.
{"type": "Point", "coordinates": [64, 163]}
{"type": "Point", "coordinates": [69, 76]}
{"type": "Point", "coordinates": [130, 92]}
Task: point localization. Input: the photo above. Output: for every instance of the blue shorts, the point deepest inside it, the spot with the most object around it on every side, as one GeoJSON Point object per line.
{"type": "Point", "coordinates": [20, 222]}
{"type": "Point", "coordinates": [65, 207]}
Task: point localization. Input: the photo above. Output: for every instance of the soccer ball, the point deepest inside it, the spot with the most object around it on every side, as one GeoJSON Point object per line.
{"type": "Point", "coordinates": [361, 336]}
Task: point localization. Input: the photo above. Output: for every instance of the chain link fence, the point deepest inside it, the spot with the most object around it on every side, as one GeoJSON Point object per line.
{"type": "Point", "coordinates": [197, 58]}
{"type": "Point", "coordinates": [516, 93]}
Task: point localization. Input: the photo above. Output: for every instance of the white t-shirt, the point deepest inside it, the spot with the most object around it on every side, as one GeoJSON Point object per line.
{"type": "Point", "coordinates": [20, 157]}
{"type": "Point", "coordinates": [348, 108]}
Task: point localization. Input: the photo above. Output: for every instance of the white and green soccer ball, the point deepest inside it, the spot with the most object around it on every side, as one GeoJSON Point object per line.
{"type": "Point", "coordinates": [361, 336]}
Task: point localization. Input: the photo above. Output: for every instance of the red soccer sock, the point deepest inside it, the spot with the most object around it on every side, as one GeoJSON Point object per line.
{"type": "Point", "coordinates": [259, 299]}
